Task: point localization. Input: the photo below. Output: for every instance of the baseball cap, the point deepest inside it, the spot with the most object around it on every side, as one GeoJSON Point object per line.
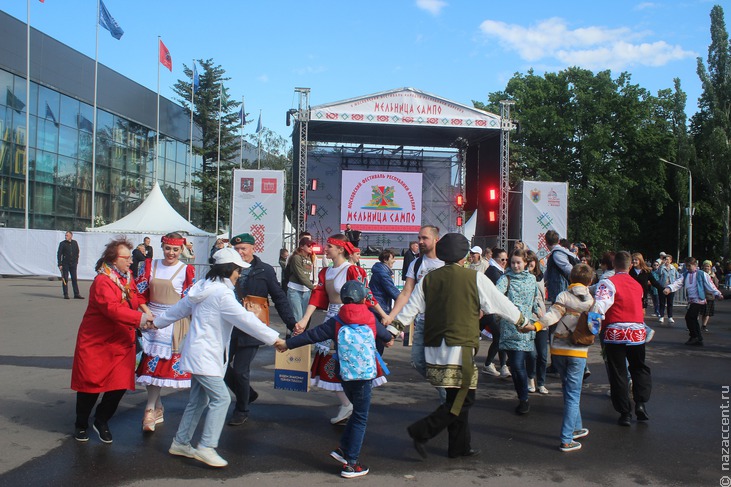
{"type": "Point", "coordinates": [476, 250]}
{"type": "Point", "coordinates": [229, 256]}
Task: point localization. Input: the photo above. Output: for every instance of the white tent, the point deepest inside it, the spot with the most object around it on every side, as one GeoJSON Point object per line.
{"type": "Point", "coordinates": [154, 215]}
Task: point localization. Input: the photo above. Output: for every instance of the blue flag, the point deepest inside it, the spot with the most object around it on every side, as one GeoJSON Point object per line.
{"type": "Point", "coordinates": [49, 114]}
{"type": "Point", "coordinates": [258, 125]}
{"type": "Point", "coordinates": [242, 116]}
{"type": "Point", "coordinates": [107, 21]}
{"type": "Point", "coordinates": [196, 79]}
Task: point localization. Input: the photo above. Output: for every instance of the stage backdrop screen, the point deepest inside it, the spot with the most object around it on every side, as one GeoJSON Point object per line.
{"type": "Point", "coordinates": [378, 201]}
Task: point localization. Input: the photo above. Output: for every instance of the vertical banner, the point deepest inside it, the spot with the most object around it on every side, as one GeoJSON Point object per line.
{"type": "Point", "coordinates": [258, 208]}
{"type": "Point", "coordinates": [545, 207]}
{"type": "Point", "coordinates": [374, 201]}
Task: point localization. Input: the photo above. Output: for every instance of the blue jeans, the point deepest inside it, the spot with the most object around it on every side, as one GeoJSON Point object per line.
{"type": "Point", "coordinates": [418, 358]}
{"type": "Point", "coordinates": [541, 359]}
{"type": "Point", "coordinates": [298, 301]}
{"type": "Point", "coordinates": [656, 303]}
{"type": "Point", "coordinates": [205, 391]}
{"type": "Point", "coordinates": [517, 362]}
{"type": "Point", "coordinates": [358, 393]}
{"type": "Point", "coordinates": [571, 370]}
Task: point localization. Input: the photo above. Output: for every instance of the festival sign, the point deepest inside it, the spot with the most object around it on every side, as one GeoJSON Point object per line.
{"type": "Point", "coordinates": [258, 208]}
{"type": "Point", "coordinates": [405, 106]}
{"type": "Point", "coordinates": [384, 202]}
{"type": "Point", "coordinates": [545, 207]}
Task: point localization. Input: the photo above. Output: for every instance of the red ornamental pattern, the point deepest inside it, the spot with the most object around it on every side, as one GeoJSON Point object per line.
{"type": "Point", "coordinates": [456, 121]}
{"type": "Point", "coordinates": [625, 335]}
{"type": "Point", "coordinates": [332, 116]}
{"type": "Point", "coordinates": [432, 120]}
{"type": "Point", "coordinates": [258, 232]}
{"type": "Point", "coordinates": [382, 118]}
{"type": "Point", "coordinates": [357, 116]}
{"type": "Point", "coordinates": [481, 123]}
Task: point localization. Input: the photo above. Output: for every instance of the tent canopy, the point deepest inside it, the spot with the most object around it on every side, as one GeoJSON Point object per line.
{"type": "Point", "coordinates": [154, 215]}
{"type": "Point", "coordinates": [404, 116]}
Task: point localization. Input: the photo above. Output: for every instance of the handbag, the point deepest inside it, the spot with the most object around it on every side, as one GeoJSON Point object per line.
{"type": "Point", "coordinates": [257, 305]}
{"type": "Point", "coordinates": [292, 369]}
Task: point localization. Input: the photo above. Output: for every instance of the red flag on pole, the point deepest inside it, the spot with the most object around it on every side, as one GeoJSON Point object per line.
{"type": "Point", "coordinates": [165, 58]}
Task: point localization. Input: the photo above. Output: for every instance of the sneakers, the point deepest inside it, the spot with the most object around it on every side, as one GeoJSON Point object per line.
{"type": "Point", "coordinates": [670, 320]}
{"type": "Point", "coordinates": [343, 413]}
{"type": "Point", "coordinates": [581, 433]}
{"type": "Point", "coordinates": [650, 335]}
{"type": "Point", "coordinates": [81, 435]}
{"type": "Point", "coordinates": [522, 408]}
{"type": "Point", "coordinates": [181, 450]}
{"type": "Point", "coordinates": [159, 415]}
{"type": "Point", "coordinates": [209, 456]}
{"type": "Point", "coordinates": [238, 418]}
{"type": "Point", "coordinates": [661, 320]}
{"type": "Point", "coordinates": [148, 420]}
{"type": "Point", "coordinates": [574, 445]}
{"type": "Point", "coordinates": [490, 370]}
{"type": "Point", "coordinates": [543, 390]}
{"type": "Point", "coordinates": [103, 431]}
{"type": "Point", "coordinates": [505, 372]}
{"type": "Point", "coordinates": [486, 335]}
{"type": "Point", "coordinates": [353, 471]}
{"type": "Point", "coordinates": [531, 385]}
{"type": "Point", "coordinates": [339, 455]}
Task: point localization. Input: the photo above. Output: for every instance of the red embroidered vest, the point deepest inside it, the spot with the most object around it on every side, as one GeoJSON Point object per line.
{"type": "Point", "coordinates": [627, 307]}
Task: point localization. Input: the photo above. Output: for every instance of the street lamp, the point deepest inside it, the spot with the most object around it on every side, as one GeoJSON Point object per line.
{"type": "Point", "coordinates": [690, 204]}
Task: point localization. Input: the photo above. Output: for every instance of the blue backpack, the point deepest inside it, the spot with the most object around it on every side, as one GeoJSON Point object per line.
{"type": "Point", "coordinates": [356, 351]}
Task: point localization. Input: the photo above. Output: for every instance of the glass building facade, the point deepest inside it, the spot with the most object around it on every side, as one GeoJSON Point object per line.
{"type": "Point", "coordinates": [60, 158]}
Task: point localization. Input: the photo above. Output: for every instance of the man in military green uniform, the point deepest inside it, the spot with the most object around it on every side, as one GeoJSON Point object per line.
{"type": "Point", "coordinates": [451, 299]}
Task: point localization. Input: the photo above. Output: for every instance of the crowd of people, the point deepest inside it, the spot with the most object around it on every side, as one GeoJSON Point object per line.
{"type": "Point", "coordinates": [453, 296]}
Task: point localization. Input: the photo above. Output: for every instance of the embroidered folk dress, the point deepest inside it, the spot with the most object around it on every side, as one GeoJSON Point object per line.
{"type": "Point", "coordinates": [326, 295]}
{"type": "Point", "coordinates": [160, 364]}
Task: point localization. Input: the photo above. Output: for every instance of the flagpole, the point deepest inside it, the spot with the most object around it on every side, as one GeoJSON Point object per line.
{"type": "Point", "coordinates": [190, 163]}
{"type": "Point", "coordinates": [93, 127]}
{"type": "Point", "coordinates": [27, 118]}
{"type": "Point", "coordinates": [157, 124]}
{"type": "Point", "coordinates": [258, 143]}
{"type": "Point", "coordinates": [218, 165]}
{"type": "Point", "coordinates": [241, 145]}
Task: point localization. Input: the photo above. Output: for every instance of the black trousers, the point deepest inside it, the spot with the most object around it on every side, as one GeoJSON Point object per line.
{"type": "Point", "coordinates": [617, 358]}
{"type": "Point", "coordinates": [104, 411]}
{"type": "Point", "coordinates": [691, 320]}
{"type": "Point", "coordinates": [457, 427]}
{"type": "Point", "coordinates": [238, 376]}
{"type": "Point", "coordinates": [66, 271]}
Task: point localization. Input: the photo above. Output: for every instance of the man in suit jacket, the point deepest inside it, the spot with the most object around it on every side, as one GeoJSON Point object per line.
{"type": "Point", "coordinates": [412, 253]}
{"type": "Point", "coordinates": [68, 258]}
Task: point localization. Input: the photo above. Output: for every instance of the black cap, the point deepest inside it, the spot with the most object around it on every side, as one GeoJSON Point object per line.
{"type": "Point", "coordinates": [452, 247]}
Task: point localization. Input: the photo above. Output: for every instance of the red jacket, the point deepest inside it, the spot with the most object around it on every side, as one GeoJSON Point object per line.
{"type": "Point", "coordinates": [627, 307]}
{"type": "Point", "coordinates": [104, 359]}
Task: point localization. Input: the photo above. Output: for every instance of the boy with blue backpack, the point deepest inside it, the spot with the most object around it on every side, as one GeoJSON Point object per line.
{"type": "Point", "coordinates": [354, 331]}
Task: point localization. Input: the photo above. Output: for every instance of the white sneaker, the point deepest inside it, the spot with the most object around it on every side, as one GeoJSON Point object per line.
{"type": "Point", "coordinates": [650, 335]}
{"type": "Point", "coordinates": [490, 370]}
{"type": "Point", "coordinates": [505, 372]}
{"type": "Point", "coordinates": [209, 456]}
{"type": "Point", "coordinates": [543, 390]}
{"type": "Point", "coordinates": [343, 413]}
{"type": "Point", "coordinates": [670, 320]}
{"type": "Point", "coordinates": [531, 385]}
{"type": "Point", "coordinates": [181, 450]}
{"type": "Point", "coordinates": [661, 319]}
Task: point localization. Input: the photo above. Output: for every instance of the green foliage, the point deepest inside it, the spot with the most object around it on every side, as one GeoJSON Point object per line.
{"type": "Point", "coordinates": [207, 102]}
{"type": "Point", "coordinates": [603, 136]}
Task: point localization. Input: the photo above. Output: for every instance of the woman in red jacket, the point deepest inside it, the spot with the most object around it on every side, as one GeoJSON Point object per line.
{"type": "Point", "coordinates": [104, 359]}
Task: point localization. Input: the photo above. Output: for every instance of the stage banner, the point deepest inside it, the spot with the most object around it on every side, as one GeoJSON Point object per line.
{"type": "Point", "coordinates": [545, 207]}
{"type": "Point", "coordinates": [258, 208]}
{"type": "Point", "coordinates": [383, 202]}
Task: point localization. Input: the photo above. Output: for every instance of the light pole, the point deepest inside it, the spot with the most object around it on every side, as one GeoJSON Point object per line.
{"type": "Point", "coordinates": [690, 204]}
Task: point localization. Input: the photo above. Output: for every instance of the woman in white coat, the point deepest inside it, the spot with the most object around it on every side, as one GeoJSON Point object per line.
{"type": "Point", "coordinates": [215, 312]}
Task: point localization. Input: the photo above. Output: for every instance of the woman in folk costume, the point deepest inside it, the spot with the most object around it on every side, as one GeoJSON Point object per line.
{"type": "Point", "coordinates": [326, 295]}
{"type": "Point", "coordinates": [104, 359]}
{"type": "Point", "coordinates": [165, 281]}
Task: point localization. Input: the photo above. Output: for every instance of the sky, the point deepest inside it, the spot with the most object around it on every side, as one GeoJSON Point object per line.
{"type": "Point", "coordinates": [459, 50]}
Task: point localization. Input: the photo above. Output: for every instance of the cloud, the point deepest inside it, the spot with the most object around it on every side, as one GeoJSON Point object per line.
{"type": "Point", "coordinates": [263, 78]}
{"type": "Point", "coordinates": [310, 70]}
{"type": "Point", "coordinates": [434, 7]}
{"type": "Point", "coordinates": [589, 47]}
{"type": "Point", "coordinates": [645, 5]}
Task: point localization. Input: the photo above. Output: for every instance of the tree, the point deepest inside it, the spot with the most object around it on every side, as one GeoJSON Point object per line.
{"type": "Point", "coordinates": [207, 100]}
{"type": "Point", "coordinates": [711, 131]}
{"type": "Point", "coordinates": [602, 136]}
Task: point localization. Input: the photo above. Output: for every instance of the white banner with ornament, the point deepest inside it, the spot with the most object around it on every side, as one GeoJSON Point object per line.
{"type": "Point", "coordinates": [384, 202]}
{"type": "Point", "coordinates": [406, 106]}
{"type": "Point", "coordinates": [545, 207]}
{"type": "Point", "coordinates": [257, 208]}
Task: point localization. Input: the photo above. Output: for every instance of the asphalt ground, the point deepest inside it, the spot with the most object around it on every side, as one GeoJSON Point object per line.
{"type": "Point", "coordinates": [288, 436]}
